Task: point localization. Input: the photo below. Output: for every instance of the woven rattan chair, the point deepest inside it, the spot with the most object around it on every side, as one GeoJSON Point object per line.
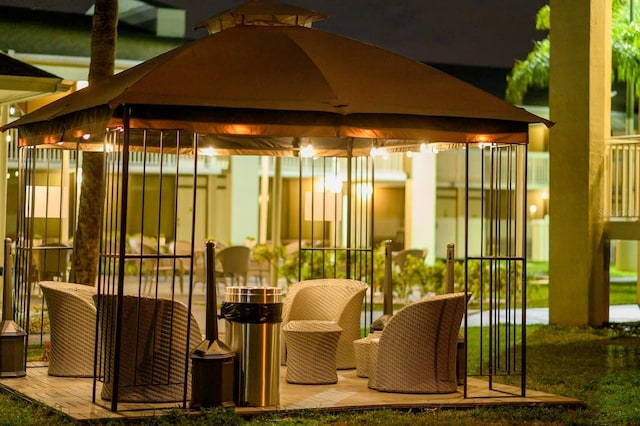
{"type": "Point", "coordinates": [416, 352]}
{"type": "Point", "coordinates": [330, 299]}
{"type": "Point", "coordinates": [153, 261]}
{"type": "Point", "coordinates": [53, 260]}
{"type": "Point", "coordinates": [401, 257]}
{"type": "Point", "coordinates": [154, 348]}
{"type": "Point", "coordinates": [235, 263]}
{"type": "Point", "coordinates": [72, 322]}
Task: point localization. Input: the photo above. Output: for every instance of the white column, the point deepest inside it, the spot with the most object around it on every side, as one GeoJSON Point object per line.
{"type": "Point", "coordinates": [264, 200]}
{"type": "Point", "coordinates": [245, 190]}
{"type": "Point", "coordinates": [420, 205]}
{"type": "Point", "coordinates": [276, 214]}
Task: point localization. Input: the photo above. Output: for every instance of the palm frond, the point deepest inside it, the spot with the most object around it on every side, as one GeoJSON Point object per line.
{"type": "Point", "coordinates": [532, 72]}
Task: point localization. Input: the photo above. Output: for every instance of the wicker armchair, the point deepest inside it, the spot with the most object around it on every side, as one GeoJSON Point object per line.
{"type": "Point", "coordinates": [155, 348]}
{"type": "Point", "coordinates": [416, 352]}
{"type": "Point", "coordinates": [330, 299]}
{"type": "Point", "coordinates": [72, 322]}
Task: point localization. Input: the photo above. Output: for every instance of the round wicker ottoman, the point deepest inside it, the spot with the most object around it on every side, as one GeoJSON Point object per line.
{"type": "Point", "coordinates": [311, 351]}
{"type": "Point", "coordinates": [361, 348]}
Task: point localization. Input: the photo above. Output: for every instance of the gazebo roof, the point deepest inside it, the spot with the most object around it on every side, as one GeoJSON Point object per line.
{"type": "Point", "coordinates": [258, 86]}
{"type": "Point", "coordinates": [261, 12]}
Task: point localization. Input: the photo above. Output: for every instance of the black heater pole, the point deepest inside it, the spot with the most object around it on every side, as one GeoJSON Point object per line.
{"type": "Point", "coordinates": [7, 290]}
{"type": "Point", "coordinates": [450, 267]}
{"type": "Point", "coordinates": [212, 303]}
{"type": "Point", "coordinates": [212, 369]}
{"type": "Point", "coordinates": [388, 279]}
{"type": "Point", "coordinates": [387, 290]}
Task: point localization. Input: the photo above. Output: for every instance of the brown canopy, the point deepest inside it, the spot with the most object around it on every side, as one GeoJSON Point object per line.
{"type": "Point", "coordinates": [283, 81]}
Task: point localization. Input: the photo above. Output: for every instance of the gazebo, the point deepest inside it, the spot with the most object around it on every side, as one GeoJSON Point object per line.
{"type": "Point", "coordinates": [264, 83]}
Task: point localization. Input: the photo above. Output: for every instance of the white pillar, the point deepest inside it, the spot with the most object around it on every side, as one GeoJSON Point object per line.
{"type": "Point", "coordinates": [420, 205]}
{"type": "Point", "coordinates": [264, 200]}
{"type": "Point", "coordinates": [245, 190]}
{"type": "Point", "coordinates": [276, 214]}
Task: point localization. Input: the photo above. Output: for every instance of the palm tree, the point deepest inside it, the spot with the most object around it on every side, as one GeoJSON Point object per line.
{"type": "Point", "coordinates": [533, 72]}
{"type": "Point", "coordinates": [86, 241]}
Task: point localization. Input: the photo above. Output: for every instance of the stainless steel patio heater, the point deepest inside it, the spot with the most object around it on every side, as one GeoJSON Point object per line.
{"type": "Point", "coordinates": [12, 337]}
{"type": "Point", "coordinates": [212, 361]}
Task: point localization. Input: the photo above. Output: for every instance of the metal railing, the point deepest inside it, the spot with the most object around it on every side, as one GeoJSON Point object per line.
{"type": "Point", "coordinates": [537, 170]}
{"type": "Point", "coordinates": [387, 169]}
{"type": "Point", "coordinates": [621, 197]}
{"type": "Point", "coordinates": [451, 169]}
{"type": "Point", "coordinates": [391, 168]}
{"type": "Point", "coordinates": [151, 160]}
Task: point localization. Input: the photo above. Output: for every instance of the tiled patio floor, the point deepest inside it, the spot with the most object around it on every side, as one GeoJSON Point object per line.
{"type": "Point", "coordinates": [72, 396]}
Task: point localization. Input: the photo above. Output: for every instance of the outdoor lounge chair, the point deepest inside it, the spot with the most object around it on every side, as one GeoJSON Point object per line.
{"type": "Point", "coordinates": [157, 338]}
{"type": "Point", "coordinates": [53, 260]}
{"type": "Point", "coordinates": [330, 299]}
{"type": "Point", "coordinates": [154, 261]}
{"type": "Point", "coordinates": [416, 352]}
{"type": "Point", "coordinates": [401, 257]}
{"type": "Point", "coordinates": [234, 261]}
{"type": "Point", "coordinates": [72, 322]}
{"type": "Point", "coordinates": [183, 264]}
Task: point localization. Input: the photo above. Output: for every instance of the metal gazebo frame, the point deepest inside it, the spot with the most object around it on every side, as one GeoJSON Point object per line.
{"type": "Point", "coordinates": [250, 89]}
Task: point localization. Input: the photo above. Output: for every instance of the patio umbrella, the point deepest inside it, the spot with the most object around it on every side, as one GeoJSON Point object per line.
{"type": "Point", "coordinates": [275, 82]}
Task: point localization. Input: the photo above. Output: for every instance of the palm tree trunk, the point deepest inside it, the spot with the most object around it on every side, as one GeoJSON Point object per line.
{"type": "Point", "coordinates": [86, 247]}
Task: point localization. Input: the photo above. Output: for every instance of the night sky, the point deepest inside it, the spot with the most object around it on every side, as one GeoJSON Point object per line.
{"type": "Point", "coordinates": [490, 33]}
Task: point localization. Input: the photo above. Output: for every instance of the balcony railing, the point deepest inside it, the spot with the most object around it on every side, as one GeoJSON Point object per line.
{"type": "Point", "coordinates": [450, 165]}
{"type": "Point", "coordinates": [621, 197]}
{"type": "Point", "coordinates": [46, 157]}
{"type": "Point", "coordinates": [537, 170]}
{"type": "Point", "coordinates": [451, 169]}
{"type": "Point", "coordinates": [386, 169]}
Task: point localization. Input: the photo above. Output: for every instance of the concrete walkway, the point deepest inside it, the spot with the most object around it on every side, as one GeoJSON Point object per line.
{"type": "Point", "coordinates": [617, 313]}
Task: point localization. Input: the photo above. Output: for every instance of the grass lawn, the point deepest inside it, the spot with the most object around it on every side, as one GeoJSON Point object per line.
{"type": "Point", "coordinates": [599, 367]}
{"type": "Point", "coordinates": [620, 293]}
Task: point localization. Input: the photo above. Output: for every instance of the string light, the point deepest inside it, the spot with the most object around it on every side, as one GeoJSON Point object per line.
{"type": "Point", "coordinates": [208, 151]}
{"type": "Point", "coordinates": [307, 151]}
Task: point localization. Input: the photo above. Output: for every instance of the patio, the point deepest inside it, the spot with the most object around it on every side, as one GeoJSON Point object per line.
{"type": "Point", "coordinates": [72, 396]}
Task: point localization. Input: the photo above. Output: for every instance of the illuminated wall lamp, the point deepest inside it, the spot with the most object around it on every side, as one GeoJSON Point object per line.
{"type": "Point", "coordinates": [46, 202]}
